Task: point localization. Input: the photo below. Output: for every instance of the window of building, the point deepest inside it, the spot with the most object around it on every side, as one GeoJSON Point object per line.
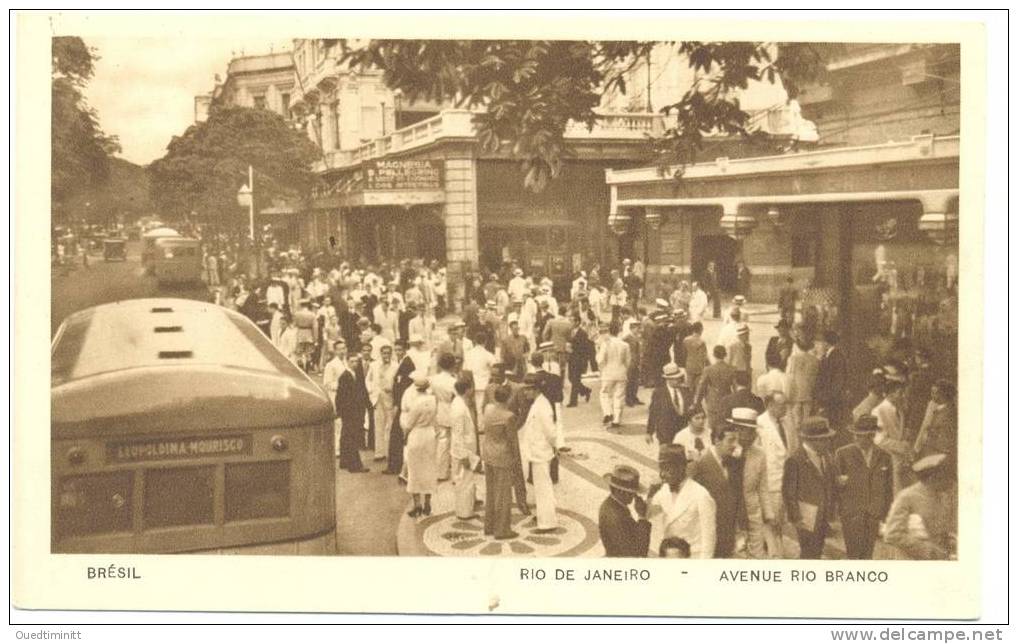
{"type": "Point", "coordinates": [260, 103]}
{"type": "Point", "coordinates": [284, 99]}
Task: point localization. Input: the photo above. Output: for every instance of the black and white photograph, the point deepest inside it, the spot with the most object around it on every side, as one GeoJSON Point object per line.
{"type": "Point", "coordinates": [602, 300]}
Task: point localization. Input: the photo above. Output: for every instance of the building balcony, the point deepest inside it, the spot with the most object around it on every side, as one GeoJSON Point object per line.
{"type": "Point", "coordinates": [458, 124]}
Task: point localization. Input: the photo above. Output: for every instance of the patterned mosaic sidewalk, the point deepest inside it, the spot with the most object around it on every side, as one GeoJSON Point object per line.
{"type": "Point", "coordinates": [579, 494]}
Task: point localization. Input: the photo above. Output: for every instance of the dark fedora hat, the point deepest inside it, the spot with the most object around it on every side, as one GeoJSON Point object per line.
{"type": "Point", "coordinates": [624, 478]}
{"type": "Point", "coordinates": [815, 427]}
{"type": "Point", "coordinates": [866, 424]}
{"type": "Point", "coordinates": [671, 453]}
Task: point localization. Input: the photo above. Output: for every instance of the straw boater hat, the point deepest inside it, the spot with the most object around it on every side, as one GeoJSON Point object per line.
{"type": "Point", "coordinates": [927, 463]}
{"type": "Point", "coordinates": [739, 299]}
{"type": "Point", "coordinates": [514, 318]}
{"type": "Point", "coordinates": [866, 424]}
{"type": "Point", "coordinates": [420, 379]}
{"type": "Point", "coordinates": [457, 324]}
{"type": "Point", "coordinates": [416, 339]}
{"type": "Point", "coordinates": [625, 478]}
{"type": "Point", "coordinates": [518, 272]}
{"type": "Point", "coordinates": [546, 346]}
{"type": "Point", "coordinates": [672, 371]}
{"type": "Point", "coordinates": [661, 302]}
{"type": "Point", "coordinates": [743, 417]}
{"type": "Point", "coordinates": [815, 427]}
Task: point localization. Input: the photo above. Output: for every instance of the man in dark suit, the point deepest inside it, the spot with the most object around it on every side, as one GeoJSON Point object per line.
{"type": "Point", "coordinates": [351, 405]}
{"type": "Point", "coordinates": [740, 397]}
{"type": "Point", "coordinates": [669, 406]}
{"type": "Point", "coordinates": [401, 382]}
{"type": "Point", "coordinates": [779, 347]}
{"type": "Point", "coordinates": [695, 351]}
{"type": "Point", "coordinates": [621, 534]}
{"type": "Point", "coordinates": [832, 380]}
{"type": "Point", "coordinates": [679, 329]}
{"type": "Point", "coordinates": [715, 384]}
{"type": "Point", "coordinates": [808, 486]}
{"type": "Point", "coordinates": [659, 336]}
{"type": "Point", "coordinates": [714, 472]}
{"type": "Point", "coordinates": [864, 489]}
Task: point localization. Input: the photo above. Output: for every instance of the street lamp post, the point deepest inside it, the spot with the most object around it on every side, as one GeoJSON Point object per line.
{"type": "Point", "coordinates": [245, 197]}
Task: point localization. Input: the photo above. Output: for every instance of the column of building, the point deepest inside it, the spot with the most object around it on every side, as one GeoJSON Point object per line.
{"type": "Point", "coordinates": [460, 215]}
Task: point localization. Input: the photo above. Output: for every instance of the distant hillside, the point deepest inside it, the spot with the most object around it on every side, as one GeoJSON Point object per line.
{"type": "Point", "coordinates": [125, 197]}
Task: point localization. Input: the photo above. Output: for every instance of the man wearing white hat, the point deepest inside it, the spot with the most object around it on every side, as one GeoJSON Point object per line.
{"type": "Point", "coordinates": [517, 286]}
{"type": "Point", "coordinates": [757, 509]}
{"type": "Point", "coordinates": [740, 352]}
{"type": "Point", "coordinates": [669, 406]}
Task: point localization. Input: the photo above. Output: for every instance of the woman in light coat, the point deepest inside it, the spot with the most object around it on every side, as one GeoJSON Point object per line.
{"type": "Point", "coordinates": [417, 419]}
{"type": "Point", "coordinates": [537, 447]}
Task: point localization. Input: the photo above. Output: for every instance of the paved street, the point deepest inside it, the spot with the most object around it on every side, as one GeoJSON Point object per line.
{"type": "Point", "coordinates": [76, 287]}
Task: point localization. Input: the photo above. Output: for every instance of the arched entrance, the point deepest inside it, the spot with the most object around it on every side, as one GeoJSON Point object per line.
{"type": "Point", "coordinates": [724, 251]}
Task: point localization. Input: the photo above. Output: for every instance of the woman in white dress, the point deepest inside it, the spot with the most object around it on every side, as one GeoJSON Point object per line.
{"type": "Point", "coordinates": [417, 419]}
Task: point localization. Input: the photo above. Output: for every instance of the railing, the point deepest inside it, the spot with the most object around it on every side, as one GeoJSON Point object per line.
{"type": "Point", "coordinates": [451, 124]}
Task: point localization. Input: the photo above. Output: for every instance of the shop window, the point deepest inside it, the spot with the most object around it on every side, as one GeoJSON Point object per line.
{"type": "Point", "coordinates": [259, 102]}
{"type": "Point", "coordinates": [285, 100]}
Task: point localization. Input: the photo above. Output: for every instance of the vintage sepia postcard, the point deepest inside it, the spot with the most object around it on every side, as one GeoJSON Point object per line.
{"type": "Point", "coordinates": [597, 315]}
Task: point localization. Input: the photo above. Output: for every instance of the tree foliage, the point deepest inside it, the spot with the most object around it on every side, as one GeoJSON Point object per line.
{"type": "Point", "coordinates": [81, 151]}
{"type": "Point", "coordinates": [205, 167]}
{"type": "Point", "coordinates": [528, 91]}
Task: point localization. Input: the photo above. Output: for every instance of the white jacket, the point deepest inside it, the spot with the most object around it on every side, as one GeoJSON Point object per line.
{"type": "Point", "coordinates": [537, 440]}
{"type": "Point", "coordinates": [613, 359]}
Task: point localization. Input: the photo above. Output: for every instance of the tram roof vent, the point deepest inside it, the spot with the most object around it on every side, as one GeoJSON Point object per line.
{"type": "Point", "coordinates": [171, 355]}
{"type": "Point", "coordinates": [168, 329]}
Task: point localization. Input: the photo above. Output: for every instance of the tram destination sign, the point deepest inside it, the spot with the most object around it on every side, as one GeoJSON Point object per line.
{"type": "Point", "coordinates": [161, 449]}
{"type": "Point", "coordinates": [403, 174]}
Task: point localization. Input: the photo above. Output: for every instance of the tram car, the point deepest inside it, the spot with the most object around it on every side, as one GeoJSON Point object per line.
{"type": "Point", "coordinates": [177, 260]}
{"type": "Point", "coordinates": [178, 427]}
{"type": "Point", "coordinates": [149, 251]}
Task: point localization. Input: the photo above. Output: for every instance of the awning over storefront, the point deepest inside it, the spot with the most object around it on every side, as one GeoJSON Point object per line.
{"type": "Point", "coordinates": [924, 169]}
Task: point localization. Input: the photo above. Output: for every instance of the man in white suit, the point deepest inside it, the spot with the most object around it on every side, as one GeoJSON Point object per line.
{"type": "Point", "coordinates": [613, 360]}
{"type": "Point", "coordinates": [683, 508]}
{"type": "Point", "coordinates": [771, 439]}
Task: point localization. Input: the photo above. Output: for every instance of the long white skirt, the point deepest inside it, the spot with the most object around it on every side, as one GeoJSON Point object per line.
{"type": "Point", "coordinates": [421, 461]}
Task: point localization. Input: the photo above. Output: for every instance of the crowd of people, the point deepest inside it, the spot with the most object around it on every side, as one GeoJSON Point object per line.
{"type": "Point", "coordinates": [475, 400]}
